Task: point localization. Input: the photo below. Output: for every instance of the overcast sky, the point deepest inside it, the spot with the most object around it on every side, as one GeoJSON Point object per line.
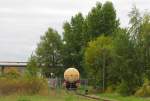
{"type": "Point", "coordinates": [22, 22]}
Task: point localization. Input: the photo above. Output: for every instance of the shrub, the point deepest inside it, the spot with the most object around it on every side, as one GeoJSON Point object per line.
{"type": "Point", "coordinates": [21, 86]}
{"type": "Point", "coordinates": [127, 88]}
{"type": "Point", "coordinates": [12, 72]}
{"type": "Point", "coordinates": [144, 91]}
{"type": "Point", "coordinates": [32, 67]}
{"type": "Point", "coordinates": [124, 89]}
{"type": "Point", "coordinates": [110, 89]}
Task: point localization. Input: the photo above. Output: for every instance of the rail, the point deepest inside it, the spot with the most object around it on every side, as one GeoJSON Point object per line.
{"type": "Point", "coordinates": [93, 97]}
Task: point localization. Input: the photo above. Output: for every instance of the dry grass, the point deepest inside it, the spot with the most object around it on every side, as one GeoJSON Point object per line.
{"type": "Point", "coordinates": [21, 86]}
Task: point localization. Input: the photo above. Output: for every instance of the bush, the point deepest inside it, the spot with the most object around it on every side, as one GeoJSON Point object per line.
{"type": "Point", "coordinates": [125, 88]}
{"type": "Point", "coordinates": [144, 91]}
{"type": "Point", "coordinates": [110, 89]}
{"type": "Point", "coordinates": [12, 72]}
{"type": "Point", "coordinates": [21, 86]}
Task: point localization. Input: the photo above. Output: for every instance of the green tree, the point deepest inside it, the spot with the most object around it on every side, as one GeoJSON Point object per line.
{"type": "Point", "coordinates": [32, 66]}
{"type": "Point", "coordinates": [128, 63]}
{"type": "Point", "coordinates": [100, 20]}
{"type": "Point", "coordinates": [98, 59]}
{"type": "Point", "coordinates": [92, 25]}
{"type": "Point", "coordinates": [48, 53]}
{"type": "Point", "coordinates": [135, 22]}
{"type": "Point", "coordinates": [73, 39]}
{"type": "Point", "coordinates": [145, 43]}
{"type": "Point", "coordinates": [110, 23]}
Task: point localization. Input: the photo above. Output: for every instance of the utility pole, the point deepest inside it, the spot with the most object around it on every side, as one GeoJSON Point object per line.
{"type": "Point", "coordinates": [103, 71]}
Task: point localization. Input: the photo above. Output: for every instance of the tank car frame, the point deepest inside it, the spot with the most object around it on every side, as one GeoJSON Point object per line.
{"type": "Point", "coordinates": [71, 85]}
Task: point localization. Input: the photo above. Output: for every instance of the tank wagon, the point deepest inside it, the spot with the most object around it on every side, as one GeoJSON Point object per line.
{"type": "Point", "coordinates": [71, 78]}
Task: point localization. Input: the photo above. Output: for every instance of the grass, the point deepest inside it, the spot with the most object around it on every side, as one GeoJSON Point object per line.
{"type": "Point", "coordinates": [53, 96]}
{"type": "Point", "coordinates": [69, 97]}
{"type": "Point", "coordinates": [64, 96]}
{"type": "Point", "coordinates": [43, 98]}
{"type": "Point", "coordinates": [117, 97]}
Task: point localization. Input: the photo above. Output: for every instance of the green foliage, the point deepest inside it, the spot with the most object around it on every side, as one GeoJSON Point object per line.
{"type": "Point", "coordinates": [98, 58]}
{"type": "Point", "coordinates": [93, 22]}
{"type": "Point", "coordinates": [129, 68]}
{"type": "Point", "coordinates": [109, 20]}
{"type": "Point", "coordinates": [32, 67]}
{"type": "Point", "coordinates": [73, 38]}
{"type": "Point", "coordinates": [135, 21]}
{"type": "Point", "coordinates": [124, 88]}
{"type": "Point", "coordinates": [110, 56]}
{"type": "Point", "coordinates": [48, 52]}
{"type": "Point", "coordinates": [144, 91]}
{"type": "Point", "coordinates": [145, 43]}
{"type": "Point", "coordinates": [77, 32]}
{"type": "Point", "coordinates": [100, 20]}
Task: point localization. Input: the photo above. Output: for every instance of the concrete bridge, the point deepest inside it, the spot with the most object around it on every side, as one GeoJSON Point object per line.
{"type": "Point", "coordinates": [8, 64]}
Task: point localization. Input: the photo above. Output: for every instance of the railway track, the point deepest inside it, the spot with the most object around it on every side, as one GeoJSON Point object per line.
{"type": "Point", "coordinates": [93, 97]}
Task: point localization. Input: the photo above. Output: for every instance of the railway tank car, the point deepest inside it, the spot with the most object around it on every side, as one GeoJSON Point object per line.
{"type": "Point", "coordinates": [71, 78]}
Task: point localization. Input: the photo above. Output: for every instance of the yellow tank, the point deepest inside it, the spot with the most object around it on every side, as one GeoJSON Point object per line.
{"type": "Point", "coordinates": [71, 75]}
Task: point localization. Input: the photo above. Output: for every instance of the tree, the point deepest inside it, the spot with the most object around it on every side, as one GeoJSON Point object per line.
{"type": "Point", "coordinates": [135, 22]}
{"type": "Point", "coordinates": [144, 35]}
{"type": "Point", "coordinates": [49, 53]}
{"type": "Point", "coordinates": [100, 20]}
{"type": "Point", "coordinates": [92, 25]}
{"type": "Point", "coordinates": [110, 22]}
{"type": "Point", "coordinates": [98, 59]}
{"type": "Point", "coordinates": [73, 38]}
{"type": "Point", "coordinates": [32, 66]}
{"type": "Point", "coordinates": [79, 31]}
{"type": "Point", "coordinates": [128, 63]}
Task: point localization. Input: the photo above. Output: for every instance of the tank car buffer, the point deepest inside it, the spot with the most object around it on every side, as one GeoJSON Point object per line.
{"type": "Point", "coordinates": [71, 78]}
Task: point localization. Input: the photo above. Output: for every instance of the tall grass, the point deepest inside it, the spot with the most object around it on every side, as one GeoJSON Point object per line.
{"type": "Point", "coordinates": [22, 85]}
